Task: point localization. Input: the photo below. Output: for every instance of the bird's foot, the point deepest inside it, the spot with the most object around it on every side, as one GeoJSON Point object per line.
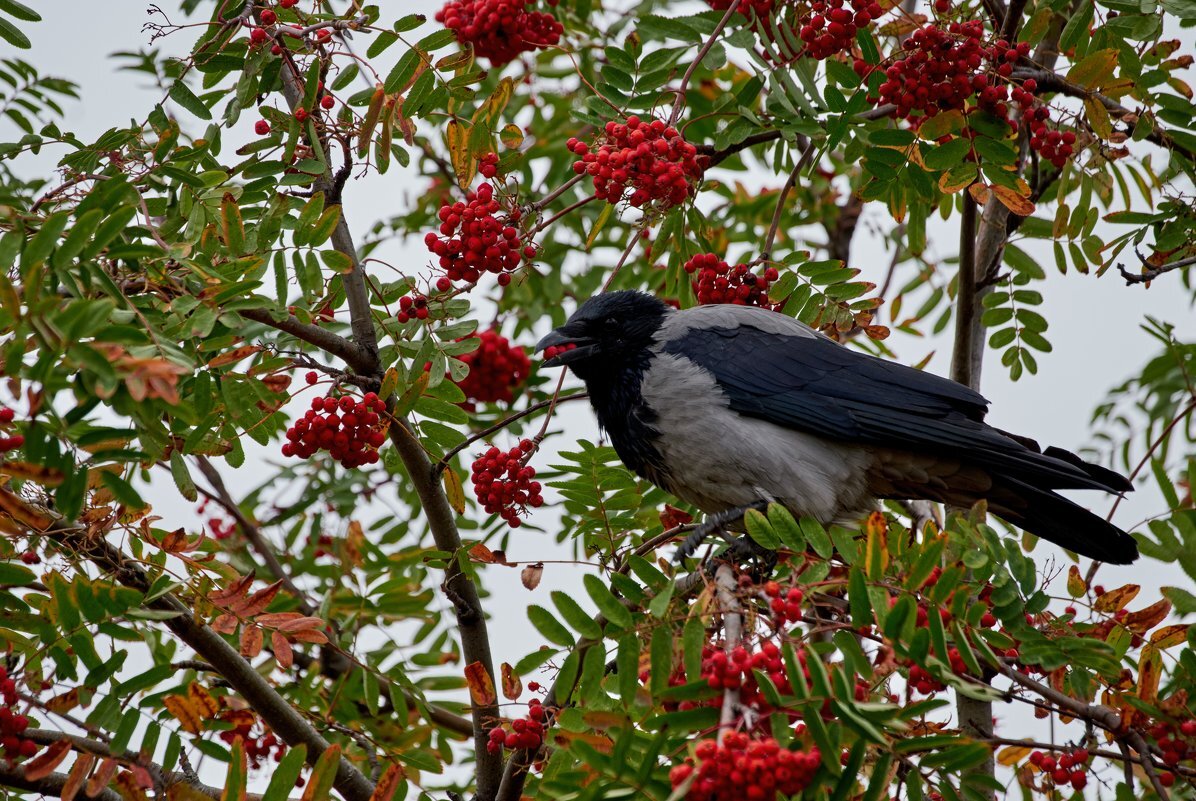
{"type": "Point", "coordinates": [717, 523]}
{"type": "Point", "coordinates": [746, 550]}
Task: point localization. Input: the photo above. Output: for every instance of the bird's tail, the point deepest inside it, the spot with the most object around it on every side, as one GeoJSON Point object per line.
{"type": "Point", "coordinates": [1052, 517]}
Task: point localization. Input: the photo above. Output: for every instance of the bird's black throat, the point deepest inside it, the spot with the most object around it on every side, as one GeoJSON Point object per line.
{"type": "Point", "coordinates": [619, 405]}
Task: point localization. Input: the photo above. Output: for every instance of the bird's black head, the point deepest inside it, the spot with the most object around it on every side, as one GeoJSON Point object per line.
{"type": "Point", "coordinates": [606, 333]}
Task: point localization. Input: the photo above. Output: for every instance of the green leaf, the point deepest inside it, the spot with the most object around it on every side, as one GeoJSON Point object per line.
{"type": "Point", "coordinates": [182, 476]}
{"type": "Point", "coordinates": [610, 606]}
{"type": "Point", "coordinates": [575, 616]}
{"type": "Point", "coordinates": [14, 575]}
{"type": "Point", "coordinates": [10, 34]}
{"type": "Point", "coordinates": [284, 774]}
{"type": "Point", "coordinates": [816, 535]}
{"type": "Point", "coordinates": [549, 626]}
{"type": "Point", "coordinates": [238, 773]}
{"type": "Point", "coordinates": [760, 531]}
{"type": "Point", "coordinates": [182, 94]}
{"type": "Point", "coordinates": [19, 10]}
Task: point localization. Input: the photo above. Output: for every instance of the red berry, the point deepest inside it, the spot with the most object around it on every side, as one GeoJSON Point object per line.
{"type": "Point", "coordinates": [261, 127]}
{"type": "Point", "coordinates": [312, 377]}
{"type": "Point", "coordinates": [268, 17]}
{"type": "Point", "coordinates": [327, 102]}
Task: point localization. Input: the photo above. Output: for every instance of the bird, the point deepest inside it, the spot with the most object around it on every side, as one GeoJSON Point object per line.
{"type": "Point", "coordinates": [728, 407]}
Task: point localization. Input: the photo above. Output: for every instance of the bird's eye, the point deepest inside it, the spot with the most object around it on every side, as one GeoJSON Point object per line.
{"type": "Point", "coordinates": [611, 325]}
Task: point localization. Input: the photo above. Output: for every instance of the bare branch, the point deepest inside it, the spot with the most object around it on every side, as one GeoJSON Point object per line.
{"type": "Point", "coordinates": [326, 341]}
{"type": "Point", "coordinates": [732, 615]}
{"type": "Point", "coordinates": [14, 776]}
{"type": "Point", "coordinates": [679, 103]}
{"type": "Point", "coordinates": [1150, 273]}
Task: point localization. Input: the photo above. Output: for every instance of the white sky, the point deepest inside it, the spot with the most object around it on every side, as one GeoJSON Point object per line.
{"type": "Point", "coordinates": [1094, 322]}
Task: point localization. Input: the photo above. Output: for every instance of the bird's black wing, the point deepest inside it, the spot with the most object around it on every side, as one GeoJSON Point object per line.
{"type": "Point", "coordinates": [812, 384]}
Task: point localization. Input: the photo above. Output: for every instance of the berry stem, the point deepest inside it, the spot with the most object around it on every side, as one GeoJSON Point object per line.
{"type": "Point", "coordinates": [562, 213]}
{"type": "Point", "coordinates": [438, 468]}
{"type": "Point", "coordinates": [679, 103]}
{"type": "Point", "coordinates": [554, 194]}
{"type": "Point", "coordinates": [806, 157]}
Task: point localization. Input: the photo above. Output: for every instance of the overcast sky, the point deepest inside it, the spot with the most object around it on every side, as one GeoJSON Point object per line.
{"type": "Point", "coordinates": [1094, 321]}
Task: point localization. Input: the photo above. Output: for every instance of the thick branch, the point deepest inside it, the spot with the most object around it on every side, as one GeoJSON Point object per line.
{"type": "Point", "coordinates": [14, 776]}
{"type": "Point", "coordinates": [965, 363]}
{"type": "Point", "coordinates": [732, 614]}
{"type": "Point", "coordinates": [326, 341]}
{"type": "Point", "coordinates": [283, 718]}
{"type": "Point", "coordinates": [461, 590]}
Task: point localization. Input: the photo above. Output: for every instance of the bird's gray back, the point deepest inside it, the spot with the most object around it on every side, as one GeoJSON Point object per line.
{"type": "Point", "coordinates": [717, 459]}
{"type": "Point", "coordinates": [730, 316]}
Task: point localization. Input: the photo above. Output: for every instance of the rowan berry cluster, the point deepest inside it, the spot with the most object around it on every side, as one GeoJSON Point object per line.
{"type": "Point", "coordinates": [219, 527]}
{"type": "Point", "coordinates": [13, 724]}
{"type": "Point", "coordinates": [647, 157]}
{"type": "Point", "coordinates": [412, 307]}
{"type": "Point", "coordinates": [785, 606]}
{"type": "Point", "coordinates": [496, 369]}
{"type": "Point", "coordinates": [1069, 769]}
{"type": "Point", "coordinates": [502, 482]}
{"type": "Point", "coordinates": [473, 240]}
{"type": "Point", "coordinates": [741, 767]}
{"type": "Point", "coordinates": [734, 671]}
{"type": "Point", "coordinates": [525, 733]}
{"type": "Point", "coordinates": [830, 26]}
{"type": "Point", "coordinates": [350, 430]}
{"type": "Point", "coordinates": [8, 443]}
{"type": "Point", "coordinates": [323, 545]}
{"type": "Point", "coordinates": [500, 30]}
{"type": "Point", "coordinates": [715, 281]}
{"type": "Point", "coordinates": [946, 66]}
{"type": "Point", "coordinates": [488, 165]}
{"type": "Point", "coordinates": [258, 747]}
{"type": "Point", "coordinates": [1176, 742]}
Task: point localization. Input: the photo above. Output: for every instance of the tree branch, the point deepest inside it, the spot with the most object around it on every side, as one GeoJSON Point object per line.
{"type": "Point", "coordinates": [770, 237]}
{"type": "Point", "coordinates": [471, 618]}
{"type": "Point", "coordinates": [732, 614]}
{"type": "Point", "coordinates": [679, 103]}
{"type": "Point", "coordinates": [14, 776]}
{"type": "Point", "coordinates": [326, 341]}
{"type": "Point", "coordinates": [1153, 272]}
{"type": "Point", "coordinates": [283, 718]}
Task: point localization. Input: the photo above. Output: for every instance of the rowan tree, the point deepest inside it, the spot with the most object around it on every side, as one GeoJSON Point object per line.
{"type": "Point", "coordinates": [189, 295]}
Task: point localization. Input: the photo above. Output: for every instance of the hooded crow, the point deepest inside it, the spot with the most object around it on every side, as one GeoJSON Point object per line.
{"type": "Point", "coordinates": [730, 406]}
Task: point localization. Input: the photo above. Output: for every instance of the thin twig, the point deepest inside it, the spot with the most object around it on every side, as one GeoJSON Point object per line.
{"type": "Point", "coordinates": [679, 103]}
{"type": "Point", "coordinates": [770, 238]}
{"type": "Point", "coordinates": [1153, 272]}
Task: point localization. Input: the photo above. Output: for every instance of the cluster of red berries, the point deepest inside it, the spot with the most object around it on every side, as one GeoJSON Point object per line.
{"type": "Point", "coordinates": [488, 165]}
{"type": "Point", "coordinates": [496, 369]}
{"type": "Point", "coordinates": [829, 27]}
{"type": "Point", "coordinates": [945, 66]}
{"type": "Point", "coordinates": [350, 430]}
{"type": "Point", "coordinates": [1069, 768]}
{"type": "Point", "coordinates": [258, 748]}
{"type": "Point", "coordinates": [786, 607]}
{"type": "Point", "coordinates": [7, 415]}
{"type": "Point", "coordinates": [503, 482]}
{"type": "Point", "coordinates": [13, 724]}
{"type": "Point", "coordinates": [718, 282]}
{"type": "Point", "coordinates": [1172, 745]}
{"type": "Point", "coordinates": [500, 30]}
{"type": "Point", "coordinates": [734, 671]}
{"type": "Point", "coordinates": [474, 241]}
{"type": "Point", "coordinates": [412, 307]}
{"type": "Point", "coordinates": [650, 158]}
{"type": "Point", "coordinates": [741, 767]}
{"type": "Point", "coordinates": [323, 544]}
{"type": "Point", "coordinates": [526, 733]}
{"type": "Point", "coordinates": [220, 527]}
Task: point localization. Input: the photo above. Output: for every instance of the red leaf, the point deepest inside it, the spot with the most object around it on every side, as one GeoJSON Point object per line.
{"type": "Point", "coordinates": [47, 760]}
{"type": "Point", "coordinates": [282, 650]}
{"type": "Point", "coordinates": [481, 685]}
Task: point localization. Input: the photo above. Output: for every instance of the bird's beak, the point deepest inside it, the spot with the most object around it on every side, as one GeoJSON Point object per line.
{"type": "Point", "coordinates": [578, 347]}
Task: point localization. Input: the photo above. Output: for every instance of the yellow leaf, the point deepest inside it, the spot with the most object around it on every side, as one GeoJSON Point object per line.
{"type": "Point", "coordinates": [1115, 600]}
{"type": "Point", "coordinates": [979, 192]}
{"type": "Point", "coordinates": [1094, 69]}
{"type": "Point", "coordinates": [385, 789]}
{"type": "Point", "coordinates": [1021, 206]}
{"type": "Point", "coordinates": [1075, 582]}
{"type": "Point", "coordinates": [1013, 754]}
{"type": "Point", "coordinates": [1169, 636]}
{"type": "Point", "coordinates": [453, 490]}
{"type": "Point", "coordinates": [1098, 117]}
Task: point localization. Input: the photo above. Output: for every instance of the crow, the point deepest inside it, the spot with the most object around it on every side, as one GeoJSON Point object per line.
{"type": "Point", "coordinates": [730, 407]}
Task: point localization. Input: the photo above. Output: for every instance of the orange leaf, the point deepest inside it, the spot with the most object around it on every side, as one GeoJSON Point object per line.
{"type": "Point", "coordinates": [480, 553]}
{"type": "Point", "coordinates": [128, 787]}
{"type": "Point", "coordinates": [47, 760]}
{"type": "Point", "coordinates": [76, 776]}
{"type": "Point", "coordinates": [224, 596]}
{"type": "Point", "coordinates": [225, 624]}
{"type": "Point", "coordinates": [257, 603]}
{"type": "Point", "coordinates": [300, 624]}
{"type": "Point", "coordinates": [355, 544]}
{"type": "Point", "coordinates": [1150, 668]}
{"type": "Point", "coordinates": [46, 476]}
{"type": "Point", "coordinates": [20, 511]}
{"type": "Point", "coordinates": [384, 790]}
{"type": "Point", "coordinates": [64, 702]}
{"type": "Point", "coordinates": [979, 192]}
{"type": "Point", "coordinates": [233, 356]}
{"type": "Point", "coordinates": [512, 685]}
{"type": "Point", "coordinates": [1169, 636]}
{"type": "Point", "coordinates": [531, 575]}
{"type": "Point", "coordinates": [1115, 600]}
{"type": "Point", "coordinates": [481, 685]}
{"type": "Point", "coordinates": [202, 700]}
{"type": "Point", "coordinates": [1146, 619]}
{"type": "Point", "coordinates": [99, 780]}
{"type": "Point", "coordinates": [1021, 206]}
{"type": "Point", "coordinates": [282, 650]}
{"type": "Point", "coordinates": [252, 641]}
{"type": "Point", "coordinates": [183, 712]}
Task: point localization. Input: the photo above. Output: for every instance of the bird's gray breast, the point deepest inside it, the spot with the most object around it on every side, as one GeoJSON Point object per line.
{"type": "Point", "coordinates": [718, 459]}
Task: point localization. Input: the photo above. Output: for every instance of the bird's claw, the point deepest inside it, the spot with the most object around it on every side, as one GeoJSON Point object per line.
{"type": "Point", "coordinates": [740, 549]}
